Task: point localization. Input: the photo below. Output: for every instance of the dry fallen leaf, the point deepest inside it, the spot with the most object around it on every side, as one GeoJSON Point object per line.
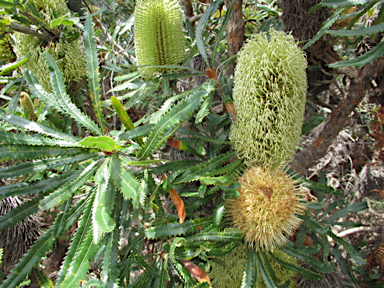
{"type": "Point", "coordinates": [179, 205]}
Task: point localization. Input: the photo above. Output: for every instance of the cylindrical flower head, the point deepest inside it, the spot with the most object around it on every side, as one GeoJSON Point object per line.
{"type": "Point", "coordinates": [267, 207]}
{"type": "Point", "coordinates": [269, 97]}
{"type": "Point", "coordinates": [159, 38]}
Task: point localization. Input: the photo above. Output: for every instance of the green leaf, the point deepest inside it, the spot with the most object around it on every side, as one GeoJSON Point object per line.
{"type": "Point", "coordinates": [182, 130]}
{"type": "Point", "coordinates": [308, 259]}
{"type": "Point", "coordinates": [362, 60]}
{"type": "Point", "coordinates": [63, 98]}
{"type": "Point", "coordinates": [266, 270]}
{"type": "Point", "coordinates": [30, 188]}
{"type": "Point", "coordinates": [355, 207]}
{"type": "Point", "coordinates": [164, 274]}
{"type": "Point", "coordinates": [34, 127]}
{"type": "Point", "coordinates": [323, 188]}
{"type": "Point", "coordinates": [177, 115]}
{"type": "Point", "coordinates": [7, 4]}
{"type": "Point", "coordinates": [205, 109]}
{"type": "Point", "coordinates": [201, 27]}
{"type": "Point", "coordinates": [124, 180]}
{"type": "Point", "coordinates": [21, 152]}
{"type": "Point", "coordinates": [218, 214]}
{"type": "Point", "coordinates": [110, 270]}
{"type": "Point", "coordinates": [79, 238]}
{"type": "Point", "coordinates": [25, 139]}
{"type": "Point", "coordinates": [341, 3]}
{"type": "Point", "coordinates": [61, 21]}
{"type": "Point", "coordinates": [6, 68]}
{"type": "Point", "coordinates": [30, 259]}
{"type": "Point", "coordinates": [349, 249]}
{"type": "Point", "coordinates": [327, 24]}
{"type": "Point", "coordinates": [19, 213]}
{"type": "Point", "coordinates": [174, 166]}
{"type": "Point", "coordinates": [176, 229]}
{"type": "Point", "coordinates": [250, 276]}
{"type": "Point", "coordinates": [312, 122]}
{"type": "Point", "coordinates": [218, 236]}
{"type": "Point", "coordinates": [67, 190]}
{"type": "Point", "coordinates": [358, 32]}
{"type": "Point", "coordinates": [101, 219]}
{"type": "Point", "coordinates": [206, 168]}
{"type": "Point", "coordinates": [137, 132]}
{"type": "Point", "coordinates": [103, 143]}
{"type": "Point", "coordinates": [42, 279]}
{"type": "Point", "coordinates": [308, 274]}
{"type": "Point", "coordinates": [140, 260]}
{"type": "Point", "coordinates": [80, 264]}
{"type": "Point", "coordinates": [93, 71]}
{"type": "Point", "coordinates": [41, 165]}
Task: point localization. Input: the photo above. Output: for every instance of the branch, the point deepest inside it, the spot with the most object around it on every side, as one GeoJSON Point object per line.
{"type": "Point", "coordinates": [26, 30]}
{"type": "Point", "coordinates": [351, 231]}
{"type": "Point", "coordinates": [358, 89]}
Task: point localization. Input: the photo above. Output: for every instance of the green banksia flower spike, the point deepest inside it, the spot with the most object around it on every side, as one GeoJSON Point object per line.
{"type": "Point", "coordinates": [159, 36]}
{"type": "Point", "coordinates": [27, 106]}
{"type": "Point", "coordinates": [72, 60]}
{"type": "Point", "coordinates": [267, 207]}
{"type": "Point", "coordinates": [6, 50]}
{"type": "Point", "coordinates": [230, 275]}
{"type": "Point", "coordinates": [269, 97]}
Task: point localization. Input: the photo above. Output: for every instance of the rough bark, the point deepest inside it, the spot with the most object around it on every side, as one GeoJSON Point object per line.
{"type": "Point", "coordinates": [361, 83]}
{"type": "Point", "coordinates": [235, 28]}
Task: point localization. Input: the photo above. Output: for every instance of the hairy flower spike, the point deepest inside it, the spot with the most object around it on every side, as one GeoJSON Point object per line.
{"type": "Point", "coordinates": [267, 207]}
{"type": "Point", "coordinates": [269, 97]}
{"type": "Point", "coordinates": [159, 36]}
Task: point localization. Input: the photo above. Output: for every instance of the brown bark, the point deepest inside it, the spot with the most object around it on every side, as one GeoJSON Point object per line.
{"type": "Point", "coordinates": [235, 28]}
{"type": "Point", "coordinates": [358, 89]}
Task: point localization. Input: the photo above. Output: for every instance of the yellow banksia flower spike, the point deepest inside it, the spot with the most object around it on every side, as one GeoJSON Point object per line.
{"type": "Point", "coordinates": [27, 106]}
{"type": "Point", "coordinates": [159, 38]}
{"type": "Point", "coordinates": [267, 207]}
{"type": "Point", "coordinates": [269, 97]}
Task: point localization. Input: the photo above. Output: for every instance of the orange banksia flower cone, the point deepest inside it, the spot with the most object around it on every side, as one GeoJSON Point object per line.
{"type": "Point", "coordinates": [267, 209]}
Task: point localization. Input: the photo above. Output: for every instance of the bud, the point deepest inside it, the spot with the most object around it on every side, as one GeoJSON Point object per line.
{"type": "Point", "coordinates": [159, 38]}
{"type": "Point", "coordinates": [269, 97]}
{"type": "Point", "coordinates": [27, 106]}
{"type": "Point", "coordinates": [267, 207]}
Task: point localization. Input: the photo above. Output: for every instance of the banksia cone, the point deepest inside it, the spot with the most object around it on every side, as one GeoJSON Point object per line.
{"type": "Point", "coordinates": [269, 97]}
{"type": "Point", "coordinates": [266, 208]}
{"type": "Point", "coordinates": [27, 106]}
{"type": "Point", "coordinates": [231, 275]}
{"type": "Point", "coordinates": [159, 36]}
{"type": "Point", "coordinates": [6, 50]}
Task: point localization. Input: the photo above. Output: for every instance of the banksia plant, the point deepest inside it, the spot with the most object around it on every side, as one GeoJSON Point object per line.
{"type": "Point", "coordinates": [27, 106]}
{"type": "Point", "coordinates": [269, 97]}
{"type": "Point", "coordinates": [159, 36]}
{"type": "Point", "coordinates": [267, 207]}
{"type": "Point", "coordinates": [6, 49]}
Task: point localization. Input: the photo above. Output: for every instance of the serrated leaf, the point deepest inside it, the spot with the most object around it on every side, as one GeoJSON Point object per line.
{"type": "Point", "coordinates": [266, 270]}
{"type": "Point", "coordinates": [312, 122]}
{"type": "Point", "coordinates": [323, 188]}
{"type": "Point", "coordinates": [24, 152]}
{"type": "Point", "coordinates": [364, 59]}
{"type": "Point", "coordinates": [174, 166]}
{"type": "Point", "coordinates": [137, 132]}
{"type": "Point", "coordinates": [104, 143]}
{"type": "Point", "coordinates": [42, 279]}
{"type": "Point", "coordinates": [63, 98]}
{"type": "Point", "coordinates": [14, 138]}
{"type": "Point", "coordinates": [124, 180]}
{"type": "Point", "coordinates": [349, 249]}
{"type": "Point", "coordinates": [19, 213]}
{"type": "Point", "coordinates": [61, 21]}
{"type": "Point", "coordinates": [341, 3]}
{"type": "Point", "coordinates": [29, 188]}
{"type": "Point", "coordinates": [40, 165]}
{"type": "Point", "coordinates": [34, 127]}
{"type": "Point", "coordinates": [250, 276]}
{"type": "Point", "coordinates": [327, 24]}
{"type": "Point", "coordinates": [204, 109]}
{"type": "Point", "coordinates": [75, 246]}
{"type": "Point", "coordinates": [218, 214]}
{"type": "Point", "coordinates": [178, 114]}
{"type": "Point", "coordinates": [7, 4]}
{"type": "Point", "coordinates": [218, 236]}
{"type": "Point", "coordinates": [182, 130]}
{"type": "Point", "coordinates": [110, 270]}
{"type": "Point", "coordinates": [93, 71]}
{"type": "Point", "coordinates": [80, 264]}
{"type": "Point", "coordinates": [206, 168]}
{"type": "Point", "coordinates": [308, 274]}
{"type": "Point", "coordinates": [4, 69]}
{"type": "Point", "coordinates": [101, 219]}
{"type": "Point", "coordinates": [30, 259]}
{"type": "Point", "coordinates": [67, 190]}
{"type": "Point", "coordinates": [123, 115]}
{"type": "Point", "coordinates": [355, 207]}
{"type": "Point", "coordinates": [308, 259]}
{"type": "Point", "coordinates": [176, 229]}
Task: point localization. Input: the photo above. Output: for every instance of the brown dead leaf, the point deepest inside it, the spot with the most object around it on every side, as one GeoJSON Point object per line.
{"type": "Point", "coordinates": [179, 205]}
{"type": "Point", "coordinates": [196, 272]}
{"type": "Point", "coordinates": [211, 74]}
{"type": "Point", "coordinates": [231, 110]}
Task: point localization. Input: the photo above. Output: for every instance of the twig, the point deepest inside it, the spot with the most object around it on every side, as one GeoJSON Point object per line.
{"type": "Point", "coordinates": [26, 30]}
{"type": "Point", "coordinates": [351, 231]}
